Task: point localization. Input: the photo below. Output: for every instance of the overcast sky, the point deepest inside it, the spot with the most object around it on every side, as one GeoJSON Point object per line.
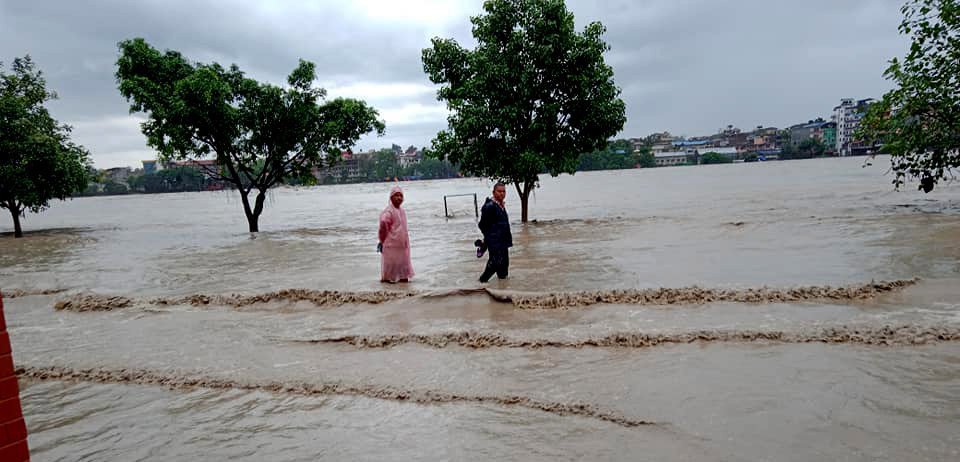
{"type": "Point", "coordinates": [685, 66]}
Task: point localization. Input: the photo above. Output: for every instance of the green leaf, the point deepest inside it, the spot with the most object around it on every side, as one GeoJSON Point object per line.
{"type": "Point", "coordinates": [258, 133]}
{"type": "Point", "coordinates": [38, 161]}
{"type": "Point", "coordinates": [529, 98]}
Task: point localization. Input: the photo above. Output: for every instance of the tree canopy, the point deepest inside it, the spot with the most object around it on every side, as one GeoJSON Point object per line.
{"type": "Point", "coordinates": [806, 149]}
{"type": "Point", "coordinates": [257, 133]}
{"type": "Point", "coordinates": [918, 123]}
{"type": "Point", "coordinates": [617, 155]}
{"type": "Point", "coordinates": [530, 98]}
{"type": "Point", "coordinates": [645, 157]}
{"type": "Point", "coordinates": [715, 158]}
{"type": "Point", "coordinates": [38, 162]}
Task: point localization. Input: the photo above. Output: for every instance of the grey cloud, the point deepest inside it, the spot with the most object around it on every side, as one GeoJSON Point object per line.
{"type": "Point", "coordinates": [745, 62]}
{"type": "Point", "coordinates": [687, 66]}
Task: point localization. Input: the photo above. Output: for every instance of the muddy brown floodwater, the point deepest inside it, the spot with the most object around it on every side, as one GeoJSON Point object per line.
{"type": "Point", "coordinates": [772, 311]}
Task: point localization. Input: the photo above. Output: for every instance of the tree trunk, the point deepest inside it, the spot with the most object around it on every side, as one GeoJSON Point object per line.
{"type": "Point", "coordinates": [257, 210]}
{"type": "Point", "coordinates": [253, 222]}
{"type": "Point", "coordinates": [252, 218]}
{"type": "Point", "coordinates": [253, 215]}
{"type": "Point", "coordinates": [524, 193]}
{"type": "Point", "coordinates": [15, 212]}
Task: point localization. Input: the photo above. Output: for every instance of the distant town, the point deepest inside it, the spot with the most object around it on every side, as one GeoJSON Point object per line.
{"type": "Point", "coordinates": [813, 138]}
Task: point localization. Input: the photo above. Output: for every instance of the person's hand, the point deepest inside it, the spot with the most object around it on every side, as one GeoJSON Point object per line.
{"type": "Point", "coordinates": [379, 247]}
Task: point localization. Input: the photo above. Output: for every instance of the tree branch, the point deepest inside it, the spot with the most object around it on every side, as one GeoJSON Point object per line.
{"type": "Point", "coordinates": [235, 177]}
{"type": "Point", "coordinates": [209, 142]}
{"type": "Point", "coordinates": [268, 177]}
{"type": "Point", "coordinates": [298, 157]}
{"type": "Point", "coordinates": [214, 173]}
{"type": "Point", "coordinates": [243, 169]}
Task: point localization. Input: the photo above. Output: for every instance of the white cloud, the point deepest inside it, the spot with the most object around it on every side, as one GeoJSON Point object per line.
{"type": "Point", "coordinates": [421, 12]}
{"type": "Point", "coordinates": [113, 141]}
{"type": "Point", "coordinates": [374, 91]}
{"type": "Point", "coordinates": [130, 158]}
{"type": "Point", "coordinates": [414, 114]}
{"type": "Point", "coordinates": [687, 66]}
{"type": "Point", "coordinates": [107, 124]}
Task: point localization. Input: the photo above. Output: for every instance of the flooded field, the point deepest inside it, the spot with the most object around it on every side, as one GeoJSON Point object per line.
{"type": "Point", "coordinates": [794, 310]}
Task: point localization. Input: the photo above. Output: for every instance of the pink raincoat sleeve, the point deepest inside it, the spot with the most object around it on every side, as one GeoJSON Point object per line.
{"type": "Point", "coordinates": [385, 224]}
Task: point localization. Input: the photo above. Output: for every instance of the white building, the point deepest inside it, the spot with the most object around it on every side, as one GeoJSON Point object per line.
{"type": "Point", "coordinates": [118, 174]}
{"type": "Point", "coordinates": [843, 116]}
{"type": "Point", "coordinates": [410, 157]}
{"type": "Point", "coordinates": [665, 159]}
{"type": "Point", "coordinates": [847, 116]}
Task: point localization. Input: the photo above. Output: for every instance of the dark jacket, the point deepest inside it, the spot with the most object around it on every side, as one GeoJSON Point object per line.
{"type": "Point", "coordinates": [495, 226]}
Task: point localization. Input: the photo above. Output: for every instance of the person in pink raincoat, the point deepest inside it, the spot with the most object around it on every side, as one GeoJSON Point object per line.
{"type": "Point", "coordinates": [394, 246]}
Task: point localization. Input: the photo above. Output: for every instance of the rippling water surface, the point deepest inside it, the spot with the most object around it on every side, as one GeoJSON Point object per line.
{"type": "Point", "coordinates": [449, 373]}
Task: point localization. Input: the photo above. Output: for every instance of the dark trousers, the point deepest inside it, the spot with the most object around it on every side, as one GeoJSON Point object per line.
{"type": "Point", "coordinates": [499, 263]}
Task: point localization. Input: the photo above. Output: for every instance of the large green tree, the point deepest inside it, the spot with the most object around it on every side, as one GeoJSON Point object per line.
{"type": "Point", "coordinates": [530, 98]}
{"type": "Point", "coordinates": [385, 165]}
{"type": "Point", "coordinates": [812, 147]}
{"type": "Point", "coordinates": [918, 123]}
{"type": "Point", "coordinates": [715, 158]}
{"type": "Point", "coordinates": [432, 168]}
{"type": "Point", "coordinates": [258, 133]}
{"type": "Point", "coordinates": [645, 157]}
{"type": "Point", "coordinates": [617, 155]}
{"type": "Point", "coordinates": [174, 179]}
{"type": "Point", "coordinates": [806, 149]}
{"type": "Point", "coordinates": [38, 162]}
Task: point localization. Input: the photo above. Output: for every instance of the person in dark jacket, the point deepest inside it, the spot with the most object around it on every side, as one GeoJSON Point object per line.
{"type": "Point", "coordinates": [495, 226]}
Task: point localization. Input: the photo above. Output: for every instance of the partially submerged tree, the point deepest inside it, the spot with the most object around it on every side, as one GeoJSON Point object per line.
{"type": "Point", "coordinates": [530, 98]}
{"type": "Point", "coordinates": [617, 155]}
{"type": "Point", "coordinates": [385, 165]}
{"type": "Point", "coordinates": [715, 158]}
{"type": "Point", "coordinates": [806, 149]}
{"type": "Point", "coordinates": [258, 133]}
{"type": "Point", "coordinates": [645, 157]}
{"type": "Point", "coordinates": [812, 147]}
{"type": "Point", "coordinates": [918, 123]}
{"type": "Point", "coordinates": [38, 162]}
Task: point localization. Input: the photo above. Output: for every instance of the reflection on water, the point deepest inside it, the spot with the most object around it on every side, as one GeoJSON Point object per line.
{"type": "Point", "coordinates": [733, 227]}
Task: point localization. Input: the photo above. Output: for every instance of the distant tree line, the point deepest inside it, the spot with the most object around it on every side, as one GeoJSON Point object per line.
{"type": "Point", "coordinates": [619, 154]}
{"type": "Point", "coordinates": [384, 165]}
{"type": "Point", "coordinates": [174, 179]}
{"type": "Point", "coordinates": [806, 149]}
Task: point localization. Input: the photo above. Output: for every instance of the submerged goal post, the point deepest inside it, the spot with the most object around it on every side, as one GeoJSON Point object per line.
{"type": "Point", "coordinates": [446, 209]}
